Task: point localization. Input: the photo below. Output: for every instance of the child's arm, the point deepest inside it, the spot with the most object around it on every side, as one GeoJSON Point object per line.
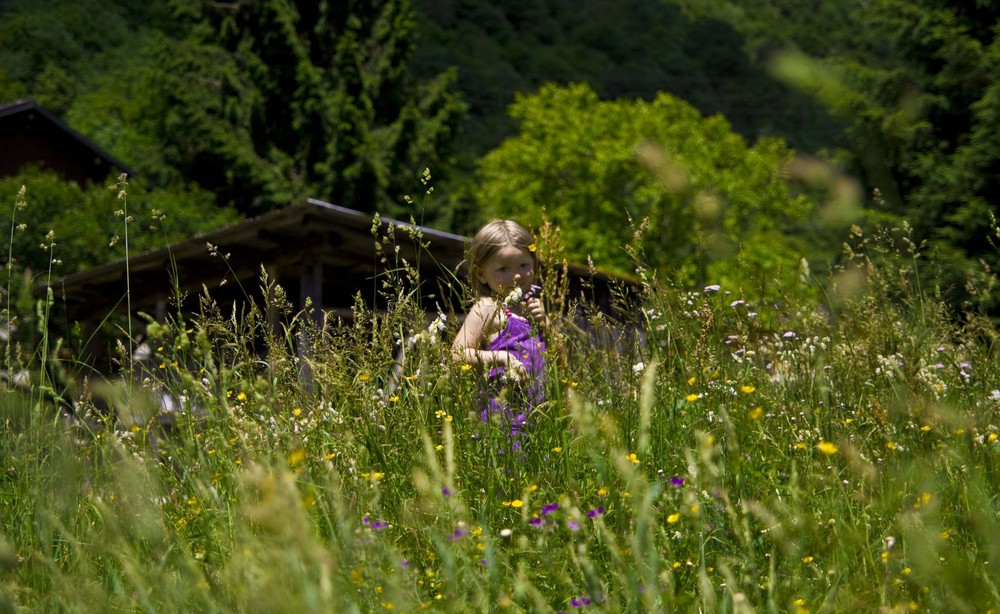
{"type": "Point", "coordinates": [537, 312]}
{"type": "Point", "coordinates": [479, 323]}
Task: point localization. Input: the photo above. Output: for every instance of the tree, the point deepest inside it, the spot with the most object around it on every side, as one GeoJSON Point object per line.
{"type": "Point", "coordinates": [916, 82]}
{"type": "Point", "coordinates": [599, 168]}
{"type": "Point", "coordinates": [319, 94]}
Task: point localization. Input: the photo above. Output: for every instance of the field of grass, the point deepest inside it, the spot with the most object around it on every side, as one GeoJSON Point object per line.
{"type": "Point", "coordinates": [707, 453]}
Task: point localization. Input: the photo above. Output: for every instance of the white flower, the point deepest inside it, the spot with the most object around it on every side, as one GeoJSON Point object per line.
{"type": "Point", "coordinates": [514, 297]}
{"type": "Point", "coordinates": [712, 288]}
{"type": "Point", "coordinates": [638, 367]}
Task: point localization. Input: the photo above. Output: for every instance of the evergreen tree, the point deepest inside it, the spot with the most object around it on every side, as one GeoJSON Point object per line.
{"type": "Point", "coordinates": [325, 100]}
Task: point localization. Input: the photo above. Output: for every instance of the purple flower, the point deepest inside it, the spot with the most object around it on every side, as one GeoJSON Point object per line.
{"type": "Point", "coordinates": [572, 524]}
{"type": "Point", "coordinates": [594, 513]}
{"type": "Point", "coordinates": [548, 509]}
{"type": "Point", "coordinates": [676, 481]}
{"type": "Point", "coordinates": [404, 563]}
{"type": "Point", "coordinates": [789, 335]}
{"type": "Point", "coordinates": [536, 521]}
{"type": "Point", "coordinates": [445, 491]}
{"type": "Point", "coordinates": [579, 602]}
{"type": "Point", "coordinates": [376, 525]}
{"type": "Point", "coordinates": [458, 534]}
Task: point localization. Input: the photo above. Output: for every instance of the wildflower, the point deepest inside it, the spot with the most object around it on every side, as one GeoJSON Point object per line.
{"type": "Point", "coordinates": [330, 456]}
{"type": "Point", "coordinates": [557, 449]}
{"type": "Point", "coordinates": [633, 458]}
{"type": "Point", "coordinates": [826, 448]}
{"type": "Point", "coordinates": [595, 512]}
{"type": "Point", "coordinates": [638, 367]}
{"type": "Point", "coordinates": [602, 491]}
{"type": "Point", "coordinates": [532, 247]}
{"type": "Point", "coordinates": [579, 603]}
{"type": "Point", "coordinates": [672, 518]}
{"type": "Point", "coordinates": [925, 428]}
{"type": "Point", "coordinates": [466, 367]}
{"type": "Point", "coordinates": [548, 509]}
{"type": "Point", "coordinates": [572, 525]}
{"type": "Point", "coordinates": [676, 481]}
{"type": "Point", "coordinates": [445, 491]}
{"type": "Point", "coordinates": [892, 445]}
{"type": "Point", "coordinates": [755, 413]}
{"type": "Point", "coordinates": [459, 532]}
{"type": "Point", "coordinates": [296, 457]}
{"type": "Point", "coordinates": [535, 521]}
{"type": "Point", "coordinates": [807, 559]}
{"type": "Point", "coordinates": [712, 288]}
{"type": "Point", "coordinates": [747, 389]}
{"type": "Point", "coordinates": [789, 335]}
{"type": "Point", "coordinates": [691, 398]}
{"type": "Point", "coordinates": [517, 503]}
{"type": "Point", "coordinates": [505, 532]}
{"type": "Point", "coordinates": [692, 380]}
{"type": "Point", "coordinates": [364, 377]}
{"type": "Point", "coordinates": [242, 396]}
{"type": "Point", "coordinates": [736, 303]}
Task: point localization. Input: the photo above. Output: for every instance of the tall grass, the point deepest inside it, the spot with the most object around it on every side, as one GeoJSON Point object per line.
{"type": "Point", "coordinates": [708, 454]}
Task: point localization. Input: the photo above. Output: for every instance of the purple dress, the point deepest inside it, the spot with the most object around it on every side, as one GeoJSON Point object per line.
{"type": "Point", "coordinates": [521, 397]}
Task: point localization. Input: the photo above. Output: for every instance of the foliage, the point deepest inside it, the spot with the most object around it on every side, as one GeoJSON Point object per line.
{"type": "Point", "coordinates": [734, 456]}
{"type": "Point", "coordinates": [83, 221]}
{"type": "Point", "coordinates": [634, 50]}
{"type": "Point", "coordinates": [915, 80]}
{"type": "Point", "coordinates": [603, 169]}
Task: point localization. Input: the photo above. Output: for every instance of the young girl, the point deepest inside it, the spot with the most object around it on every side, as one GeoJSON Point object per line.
{"type": "Point", "coordinates": [498, 334]}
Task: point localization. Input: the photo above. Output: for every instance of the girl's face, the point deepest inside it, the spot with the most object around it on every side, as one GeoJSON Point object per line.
{"type": "Point", "coordinates": [510, 267]}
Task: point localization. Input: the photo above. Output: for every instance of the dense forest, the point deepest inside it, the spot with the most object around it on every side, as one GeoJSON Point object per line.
{"type": "Point", "coordinates": [744, 132]}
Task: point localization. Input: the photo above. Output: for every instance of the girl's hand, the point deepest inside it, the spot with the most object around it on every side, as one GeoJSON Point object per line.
{"type": "Point", "coordinates": [537, 311]}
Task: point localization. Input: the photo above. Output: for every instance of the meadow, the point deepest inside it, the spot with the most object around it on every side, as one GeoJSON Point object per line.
{"type": "Point", "coordinates": [704, 451]}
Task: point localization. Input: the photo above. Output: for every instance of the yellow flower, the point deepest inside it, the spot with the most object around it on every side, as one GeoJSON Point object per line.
{"type": "Point", "coordinates": [891, 445]}
{"type": "Point", "coordinates": [242, 396]}
{"type": "Point", "coordinates": [676, 564]}
{"type": "Point", "coordinates": [296, 457]}
{"type": "Point", "coordinates": [632, 457]}
{"type": "Point", "coordinates": [755, 413]}
{"type": "Point", "coordinates": [466, 367]}
{"type": "Point", "coordinates": [827, 448]}
{"type": "Point", "coordinates": [363, 377]}
{"type": "Point", "coordinates": [393, 399]}
{"type": "Point", "coordinates": [532, 488]}
{"type": "Point", "coordinates": [557, 449]}
{"type": "Point", "coordinates": [747, 389]}
{"type": "Point", "coordinates": [672, 518]}
{"type": "Point", "coordinates": [692, 380]}
{"type": "Point", "coordinates": [992, 437]}
{"type": "Point", "coordinates": [532, 247]}
{"type": "Point", "coordinates": [517, 503]}
{"type": "Point", "coordinates": [925, 428]}
{"type": "Point", "coordinates": [296, 411]}
{"type": "Point", "coordinates": [807, 559]}
{"type": "Point", "coordinates": [330, 456]}
{"type": "Point", "coordinates": [691, 398]}
{"type": "Point", "coordinates": [602, 491]}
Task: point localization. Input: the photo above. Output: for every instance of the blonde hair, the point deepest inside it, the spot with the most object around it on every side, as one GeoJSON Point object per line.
{"type": "Point", "coordinates": [488, 241]}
